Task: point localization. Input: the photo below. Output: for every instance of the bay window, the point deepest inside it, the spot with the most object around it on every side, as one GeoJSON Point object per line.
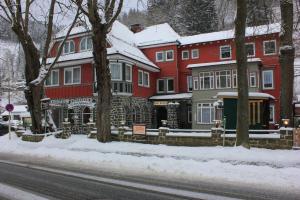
{"type": "Point", "coordinates": [128, 73]}
{"type": "Point", "coordinates": [116, 71]}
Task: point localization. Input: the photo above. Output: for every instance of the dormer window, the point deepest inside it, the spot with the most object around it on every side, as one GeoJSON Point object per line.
{"type": "Point", "coordinates": [69, 47]}
{"type": "Point", "coordinates": [86, 44]}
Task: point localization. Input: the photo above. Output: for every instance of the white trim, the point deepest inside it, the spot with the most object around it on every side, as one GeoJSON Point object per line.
{"type": "Point", "coordinates": [72, 77]}
{"type": "Point", "coordinates": [147, 79]}
{"type": "Point", "coordinates": [221, 52]}
{"type": "Point", "coordinates": [187, 79]}
{"type": "Point", "coordinates": [255, 77]}
{"type": "Point", "coordinates": [211, 107]}
{"type": "Point", "coordinates": [130, 66]}
{"type": "Point", "coordinates": [121, 71]}
{"type": "Point", "coordinates": [254, 50]}
{"type": "Point", "coordinates": [157, 85]}
{"type": "Point", "coordinates": [263, 79]}
{"type": "Point", "coordinates": [157, 45]}
{"type": "Point", "coordinates": [86, 39]}
{"type": "Point", "coordinates": [51, 80]}
{"type": "Point", "coordinates": [234, 84]}
{"type": "Point", "coordinates": [273, 106]}
{"type": "Point", "coordinates": [140, 71]}
{"type": "Point", "coordinates": [192, 55]}
{"type": "Point", "coordinates": [170, 91]}
{"type": "Point", "coordinates": [156, 59]}
{"type": "Point", "coordinates": [219, 79]}
{"type": "Point", "coordinates": [227, 62]}
{"type": "Point", "coordinates": [211, 80]}
{"type": "Point", "coordinates": [167, 56]}
{"type": "Point", "coordinates": [188, 54]}
{"type": "Point", "coordinates": [195, 79]}
{"type": "Point", "coordinates": [68, 43]}
{"type": "Point", "coordinates": [268, 54]}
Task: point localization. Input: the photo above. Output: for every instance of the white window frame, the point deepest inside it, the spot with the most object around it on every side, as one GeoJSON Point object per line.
{"type": "Point", "coordinates": [195, 83]}
{"type": "Point", "coordinates": [234, 75]}
{"type": "Point", "coordinates": [211, 80]}
{"type": "Point", "coordinates": [252, 75]}
{"type": "Point", "coordinates": [263, 79]}
{"type": "Point", "coordinates": [156, 56]}
{"type": "Point", "coordinates": [121, 71]}
{"type": "Point", "coordinates": [85, 39]}
{"type": "Point", "coordinates": [68, 43]}
{"type": "Point", "coordinates": [219, 79]}
{"type": "Point", "coordinates": [221, 58]}
{"type": "Point", "coordinates": [148, 78]}
{"type": "Point", "coordinates": [212, 110]}
{"type": "Point", "coordinates": [166, 53]}
{"type": "Point", "coordinates": [273, 114]}
{"type": "Point", "coordinates": [188, 81]}
{"type": "Point", "coordinates": [170, 91]}
{"type": "Point", "coordinates": [51, 78]}
{"type": "Point", "coordinates": [253, 44]}
{"type": "Point", "coordinates": [264, 47]}
{"type": "Point", "coordinates": [140, 72]}
{"type": "Point", "coordinates": [188, 55]}
{"type": "Point", "coordinates": [157, 86]}
{"type": "Point", "coordinates": [129, 80]}
{"type": "Point", "coordinates": [192, 53]}
{"type": "Point", "coordinates": [72, 82]}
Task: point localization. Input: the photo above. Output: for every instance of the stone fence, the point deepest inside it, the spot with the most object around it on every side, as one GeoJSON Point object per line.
{"type": "Point", "coordinates": [270, 139]}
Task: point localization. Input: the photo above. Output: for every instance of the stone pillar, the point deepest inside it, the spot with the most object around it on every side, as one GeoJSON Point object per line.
{"type": "Point", "coordinates": [121, 131]}
{"type": "Point", "coordinates": [286, 137]}
{"type": "Point", "coordinates": [162, 132]}
{"type": "Point", "coordinates": [172, 114]}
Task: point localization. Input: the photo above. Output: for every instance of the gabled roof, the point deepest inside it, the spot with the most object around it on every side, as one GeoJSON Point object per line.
{"type": "Point", "coordinates": [122, 42]}
{"type": "Point", "coordinates": [156, 34]}
{"type": "Point", "coordinates": [229, 34]}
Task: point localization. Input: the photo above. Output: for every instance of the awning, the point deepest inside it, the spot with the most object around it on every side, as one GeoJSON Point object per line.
{"type": "Point", "coordinates": [252, 95]}
{"type": "Point", "coordinates": [172, 96]}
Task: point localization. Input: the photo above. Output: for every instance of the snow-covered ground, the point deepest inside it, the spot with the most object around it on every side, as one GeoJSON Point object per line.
{"type": "Point", "coordinates": [271, 168]}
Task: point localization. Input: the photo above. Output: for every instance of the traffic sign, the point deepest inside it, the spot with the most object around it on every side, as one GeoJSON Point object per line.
{"type": "Point", "coordinates": [9, 107]}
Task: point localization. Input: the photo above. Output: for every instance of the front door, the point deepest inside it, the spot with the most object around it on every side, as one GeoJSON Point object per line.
{"type": "Point", "coordinates": [161, 114]}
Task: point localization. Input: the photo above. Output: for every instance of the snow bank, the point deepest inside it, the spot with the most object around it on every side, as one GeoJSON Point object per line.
{"type": "Point", "coordinates": [279, 168]}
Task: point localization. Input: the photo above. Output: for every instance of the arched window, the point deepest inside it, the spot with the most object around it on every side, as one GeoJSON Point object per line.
{"type": "Point", "coordinates": [69, 47]}
{"type": "Point", "coordinates": [86, 44]}
{"type": "Point", "coordinates": [86, 115]}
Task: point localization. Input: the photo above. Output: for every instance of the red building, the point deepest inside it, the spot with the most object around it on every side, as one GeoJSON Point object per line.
{"type": "Point", "coordinates": [152, 72]}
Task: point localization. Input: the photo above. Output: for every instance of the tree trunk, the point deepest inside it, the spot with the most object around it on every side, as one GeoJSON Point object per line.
{"type": "Point", "coordinates": [286, 59]}
{"type": "Point", "coordinates": [242, 128]}
{"type": "Point", "coordinates": [103, 84]}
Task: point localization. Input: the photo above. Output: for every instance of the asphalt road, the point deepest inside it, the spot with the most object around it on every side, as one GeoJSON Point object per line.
{"type": "Point", "coordinates": [93, 185]}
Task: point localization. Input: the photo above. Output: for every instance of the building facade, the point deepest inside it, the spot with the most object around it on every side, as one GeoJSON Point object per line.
{"type": "Point", "coordinates": [158, 75]}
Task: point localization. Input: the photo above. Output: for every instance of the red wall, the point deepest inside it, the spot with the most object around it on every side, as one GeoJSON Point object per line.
{"type": "Point", "coordinates": [141, 91]}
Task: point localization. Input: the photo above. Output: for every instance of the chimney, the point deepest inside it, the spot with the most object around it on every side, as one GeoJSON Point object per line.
{"type": "Point", "coordinates": [135, 28]}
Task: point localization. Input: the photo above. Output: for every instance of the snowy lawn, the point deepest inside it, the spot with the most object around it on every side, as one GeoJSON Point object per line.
{"type": "Point", "coordinates": [274, 168]}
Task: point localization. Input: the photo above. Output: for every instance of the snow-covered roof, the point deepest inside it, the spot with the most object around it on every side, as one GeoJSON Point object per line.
{"type": "Point", "coordinates": [156, 34]}
{"type": "Point", "coordinates": [229, 34]}
{"type": "Point", "coordinates": [122, 42]}
{"type": "Point", "coordinates": [251, 95]}
{"type": "Point", "coordinates": [227, 62]}
{"type": "Point", "coordinates": [172, 96]}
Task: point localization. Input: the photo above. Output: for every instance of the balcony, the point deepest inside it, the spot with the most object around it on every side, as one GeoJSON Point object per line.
{"type": "Point", "coordinates": [117, 87]}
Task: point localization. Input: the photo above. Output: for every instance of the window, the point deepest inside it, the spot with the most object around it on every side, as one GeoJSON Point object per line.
{"type": "Point", "coordinates": [159, 56]}
{"type": "Point", "coordinates": [86, 44]}
{"type": "Point", "coordinates": [270, 47]}
{"type": "Point", "coordinates": [170, 85]}
{"type": "Point", "coordinates": [250, 49]}
{"type": "Point", "coordinates": [169, 55]}
{"type": "Point", "coordinates": [190, 114]}
{"type": "Point", "coordinates": [189, 83]}
{"type": "Point", "coordinates": [53, 78]}
{"type": "Point", "coordinates": [252, 79]}
{"type": "Point", "coordinates": [72, 75]}
{"type": "Point", "coordinates": [234, 78]}
{"type": "Point", "coordinates": [116, 71]}
{"type": "Point", "coordinates": [195, 53]}
{"type": "Point", "coordinates": [225, 52]}
{"type": "Point", "coordinates": [128, 73]}
{"type": "Point", "coordinates": [69, 47]}
{"type": "Point", "coordinates": [196, 83]}
{"type": "Point", "coordinates": [185, 55]}
{"type": "Point", "coordinates": [268, 79]}
{"type": "Point", "coordinates": [272, 113]}
{"type": "Point", "coordinates": [160, 85]}
{"type": "Point", "coordinates": [206, 80]}
{"type": "Point", "coordinates": [205, 113]}
{"type": "Point", "coordinates": [140, 78]}
{"type": "Point", "coordinates": [223, 79]}
{"type": "Point", "coordinates": [146, 79]}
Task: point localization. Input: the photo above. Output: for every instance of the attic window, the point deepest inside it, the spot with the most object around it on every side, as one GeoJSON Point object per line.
{"type": "Point", "coordinates": [86, 44]}
{"type": "Point", "coordinates": [69, 47]}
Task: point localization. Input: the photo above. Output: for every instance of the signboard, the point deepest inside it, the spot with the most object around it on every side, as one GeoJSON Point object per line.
{"type": "Point", "coordinates": [139, 129]}
{"type": "Point", "coordinates": [9, 107]}
{"type": "Point", "coordinates": [297, 138]}
{"type": "Point", "coordinates": [160, 103]}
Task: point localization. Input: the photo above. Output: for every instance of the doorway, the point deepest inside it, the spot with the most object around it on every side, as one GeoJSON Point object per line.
{"type": "Point", "coordinates": [161, 114]}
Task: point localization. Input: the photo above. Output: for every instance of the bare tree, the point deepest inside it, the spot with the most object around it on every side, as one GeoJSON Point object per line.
{"type": "Point", "coordinates": [101, 18]}
{"type": "Point", "coordinates": [242, 129]}
{"type": "Point", "coordinates": [286, 59]}
{"type": "Point", "coordinates": [18, 14]}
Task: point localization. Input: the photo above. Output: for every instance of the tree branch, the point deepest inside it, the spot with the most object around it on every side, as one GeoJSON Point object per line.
{"type": "Point", "coordinates": [113, 19]}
